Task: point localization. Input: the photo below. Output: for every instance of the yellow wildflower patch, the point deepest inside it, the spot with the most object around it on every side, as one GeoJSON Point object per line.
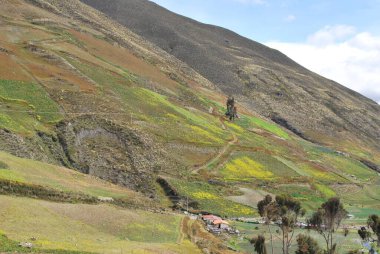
{"type": "Point", "coordinates": [235, 127]}
{"type": "Point", "coordinates": [205, 134]}
{"type": "Point", "coordinates": [204, 195]}
{"type": "Point", "coordinates": [245, 167]}
{"type": "Point", "coordinates": [325, 190]}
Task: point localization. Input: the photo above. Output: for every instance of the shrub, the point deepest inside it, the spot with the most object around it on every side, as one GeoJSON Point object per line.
{"type": "Point", "coordinates": [307, 245]}
{"type": "Point", "coordinates": [3, 165]}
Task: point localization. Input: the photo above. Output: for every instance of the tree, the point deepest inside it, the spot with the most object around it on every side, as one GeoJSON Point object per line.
{"type": "Point", "coordinates": [374, 223]}
{"type": "Point", "coordinates": [365, 235]}
{"type": "Point", "coordinates": [307, 245]}
{"type": "Point", "coordinates": [259, 244]}
{"type": "Point", "coordinates": [326, 220]}
{"type": "Point", "coordinates": [265, 210]}
{"type": "Point", "coordinates": [284, 212]}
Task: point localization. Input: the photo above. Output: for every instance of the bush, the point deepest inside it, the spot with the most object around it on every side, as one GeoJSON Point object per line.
{"type": "Point", "coordinates": [307, 245]}
{"type": "Point", "coordinates": [3, 165]}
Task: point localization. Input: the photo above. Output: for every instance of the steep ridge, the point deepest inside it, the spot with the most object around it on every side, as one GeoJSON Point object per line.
{"type": "Point", "coordinates": [262, 79]}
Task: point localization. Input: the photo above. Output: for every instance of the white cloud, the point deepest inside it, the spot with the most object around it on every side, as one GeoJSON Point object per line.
{"type": "Point", "coordinates": [256, 2]}
{"type": "Point", "coordinates": [290, 18]}
{"type": "Point", "coordinates": [331, 34]}
{"type": "Point", "coordinates": [341, 54]}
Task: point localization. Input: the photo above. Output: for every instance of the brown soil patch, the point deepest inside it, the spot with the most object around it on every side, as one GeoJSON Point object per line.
{"type": "Point", "coordinates": [18, 34]}
{"type": "Point", "coordinates": [124, 58]}
{"type": "Point", "coordinates": [42, 70]}
{"type": "Point", "coordinates": [250, 197]}
{"type": "Point", "coordinates": [51, 72]}
{"type": "Point", "coordinates": [346, 188]}
{"type": "Point", "coordinates": [10, 70]}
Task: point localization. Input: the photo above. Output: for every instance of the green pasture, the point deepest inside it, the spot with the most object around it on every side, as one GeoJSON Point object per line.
{"type": "Point", "coordinates": [25, 107]}
{"type": "Point", "coordinates": [248, 122]}
{"type": "Point", "coordinates": [247, 166]}
{"type": "Point", "coordinates": [58, 178]}
{"type": "Point", "coordinates": [211, 198]}
{"type": "Point", "coordinates": [249, 230]}
{"type": "Point", "coordinates": [91, 228]}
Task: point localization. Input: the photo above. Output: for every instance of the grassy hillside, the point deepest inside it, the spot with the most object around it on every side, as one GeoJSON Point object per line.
{"type": "Point", "coordinates": [263, 79]}
{"type": "Point", "coordinates": [92, 110]}
{"type": "Point", "coordinates": [91, 228]}
{"type": "Point", "coordinates": [82, 227]}
{"type": "Point", "coordinates": [26, 171]}
{"type": "Point", "coordinates": [82, 76]}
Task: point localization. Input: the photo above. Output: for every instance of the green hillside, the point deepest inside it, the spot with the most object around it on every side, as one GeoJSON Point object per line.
{"type": "Point", "coordinates": [92, 112]}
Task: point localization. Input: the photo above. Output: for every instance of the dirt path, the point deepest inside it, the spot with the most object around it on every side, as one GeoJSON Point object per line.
{"type": "Point", "coordinates": [222, 152]}
{"type": "Point", "coordinates": [182, 233]}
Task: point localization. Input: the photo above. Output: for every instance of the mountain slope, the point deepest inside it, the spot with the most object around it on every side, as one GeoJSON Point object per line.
{"type": "Point", "coordinates": [78, 91]}
{"type": "Point", "coordinates": [261, 78]}
{"type": "Point", "coordinates": [93, 96]}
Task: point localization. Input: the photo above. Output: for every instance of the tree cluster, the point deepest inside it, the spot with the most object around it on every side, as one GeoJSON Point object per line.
{"type": "Point", "coordinates": [284, 212]}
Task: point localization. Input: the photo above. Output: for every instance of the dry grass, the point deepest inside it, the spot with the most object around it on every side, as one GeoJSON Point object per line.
{"type": "Point", "coordinates": [94, 228]}
{"type": "Point", "coordinates": [59, 178]}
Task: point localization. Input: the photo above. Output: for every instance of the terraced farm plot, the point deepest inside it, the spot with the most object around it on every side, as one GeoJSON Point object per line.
{"type": "Point", "coordinates": [361, 213]}
{"type": "Point", "coordinates": [250, 197]}
{"type": "Point", "coordinates": [93, 228]}
{"type": "Point", "coordinates": [351, 167]}
{"type": "Point", "coordinates": [25, 107]}
{"type": "Point", "coordinates": [10, 70]}
{"type": "Point", "coordinates": [255, 165]}
{"type": "Point", "coordinates": [337, 166]}
{"type": "Point", "coordinates": [249, 122]}
{"type": "Point", "coordinates": [325, 190]}
{"type": "Point", "coordinates": [211, 198]}
{"type": "Point", "coordinates": [361, 197]}
{"type": "Point", "coordinates": [31, 96]}
{"type": "Point", "coordinates": [315, 171]}
{"type": "Point", "coordinates": [255, 140]}
{"type": "Point", "coordinates": [309, 198]}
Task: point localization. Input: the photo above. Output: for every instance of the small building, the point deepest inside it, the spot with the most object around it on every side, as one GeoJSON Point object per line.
{"type": "Point", "coordinates": [222, 224]}
{"type": "Point", "coordinates": [210, 218]}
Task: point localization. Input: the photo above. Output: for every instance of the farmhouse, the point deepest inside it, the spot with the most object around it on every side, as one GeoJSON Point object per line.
{"type": "Point", "coordinates": [216, 225]}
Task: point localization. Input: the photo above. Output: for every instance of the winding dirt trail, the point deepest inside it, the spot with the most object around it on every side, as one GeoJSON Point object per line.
{"type": "Point", "coordinates": [222, 152]}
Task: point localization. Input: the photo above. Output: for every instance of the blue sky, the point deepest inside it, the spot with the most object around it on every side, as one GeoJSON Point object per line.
{"type": "Point", "coordinates": [285, 20]}
{"type": "Point", "coordinates": [337, 39]}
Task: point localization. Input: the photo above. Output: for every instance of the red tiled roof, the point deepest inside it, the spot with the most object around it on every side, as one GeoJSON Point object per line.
{"type": "Point", "coordinates": [217, 222]}
{"type": "Point", "coordinates": [211, 217]}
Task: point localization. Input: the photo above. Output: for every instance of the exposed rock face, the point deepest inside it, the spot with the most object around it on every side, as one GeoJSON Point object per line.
{"type": "Point", "coordinates": [96, 147]}
{"type": "Point", "coordinates": [119, 155]}
{"type": "Point", "coordinates": [261, 78]}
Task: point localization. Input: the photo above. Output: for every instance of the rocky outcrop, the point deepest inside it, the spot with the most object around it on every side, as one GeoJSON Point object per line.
{"type": "Point", "coordinates": [96, 147]}
{"type": "Point", "coordinates": [120, 155]}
